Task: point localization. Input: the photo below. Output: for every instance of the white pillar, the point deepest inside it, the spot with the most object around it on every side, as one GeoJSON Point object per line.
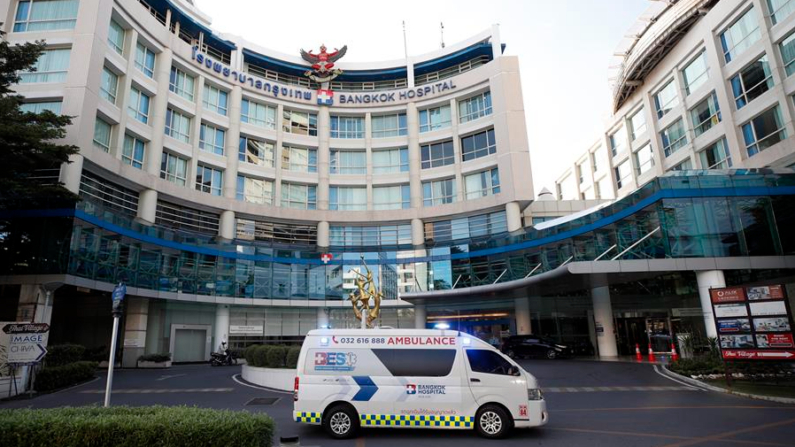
{"type": "Point", "coordinates": [72, 172]}
{"type": "Point", "coordinates": [134, 340]}
{"type": "Point", "coordinates": [420, 316]}
{"type": "Point", "coordinates": [496, 43]}
{"type": "Point", "coordinates": [227, 229]}
{"type": "Point", "coordinates": [147, 206]}
{"type": "Point", "coordinates": [522, 311]}
{"type": "Point", "coordinates": [709, 279]}
{"type": "Point", "coordinates": [154, 150]}
{"type": "Point", "coordinates": [221, 326]}
{"type": "Point", "coordinates": [417, 233]}
{"type": "Point", "coordinates": [323, 156]}
{"type": "Point", "coordinates": [322, 318]}
{"type": "Point", "coordinates": [513, 216]}
{"type": "Point", "coordinates": [603, 314]}
{"type": "Point", "coordinates": [323, 234]}
{"type": "Point", "coordinates": [415, 159]}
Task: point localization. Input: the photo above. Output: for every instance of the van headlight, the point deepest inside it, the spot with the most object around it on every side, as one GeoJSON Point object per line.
{"type": "Point", "coordinates": [534, 394]}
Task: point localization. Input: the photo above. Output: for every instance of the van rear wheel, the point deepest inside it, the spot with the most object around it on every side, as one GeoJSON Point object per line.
{"type": "Point", "coordinates": [341, 422]}
{"type": "Point", "coordinates": [493, 422]}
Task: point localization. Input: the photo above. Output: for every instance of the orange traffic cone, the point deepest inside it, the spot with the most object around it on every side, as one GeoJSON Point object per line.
{"type": "Point", "coordinates": [674, 355]}
{"type": "Point", "coordinates": [638, 355]}
{"type": "Point", "coordinates": [651, 355]}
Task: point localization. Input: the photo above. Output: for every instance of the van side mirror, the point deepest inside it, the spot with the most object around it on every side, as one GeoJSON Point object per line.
{"type": "Point", "coordinates": [513, 371]}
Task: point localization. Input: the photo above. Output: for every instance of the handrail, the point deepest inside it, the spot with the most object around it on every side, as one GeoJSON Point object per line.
{"type": "Point", "coordinates": [648, 235]}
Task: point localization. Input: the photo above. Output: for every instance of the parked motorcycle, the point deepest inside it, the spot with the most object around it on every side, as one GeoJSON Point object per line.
{"type": "Point", "coordinates": [225, 357]}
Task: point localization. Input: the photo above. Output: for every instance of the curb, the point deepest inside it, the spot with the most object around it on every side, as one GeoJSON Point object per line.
{"type": "Point", "coordinates": [717, 389]}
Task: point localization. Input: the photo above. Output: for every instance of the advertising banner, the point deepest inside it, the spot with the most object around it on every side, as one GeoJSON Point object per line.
{"type": "Point", "coordinates": [730, 310]}
{"type": "Point", "coordinates": [766, 293]}
{"type": "Point", "coordinates": [727, 295]}
{"type": "Point", "coordinates": [734, 325]}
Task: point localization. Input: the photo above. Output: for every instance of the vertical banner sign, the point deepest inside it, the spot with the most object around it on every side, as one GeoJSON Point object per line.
{"type": "Point", "coordinates": [753, 323]}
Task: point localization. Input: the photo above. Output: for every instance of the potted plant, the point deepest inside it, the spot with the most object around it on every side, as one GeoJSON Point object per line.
{"type": "Point", "coordinates": [154, 361]}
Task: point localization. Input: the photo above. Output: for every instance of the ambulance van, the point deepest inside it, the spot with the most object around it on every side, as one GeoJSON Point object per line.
{"type": "Point", "coordinates": [352, 378]}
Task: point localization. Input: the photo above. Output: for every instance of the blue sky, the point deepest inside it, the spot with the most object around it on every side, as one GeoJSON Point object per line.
{"type": "Point", "coordinates": [564, 49]}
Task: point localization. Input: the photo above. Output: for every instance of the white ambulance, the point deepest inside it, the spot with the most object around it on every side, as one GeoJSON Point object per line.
{"type": "Point", "coordinates": [351, 378]}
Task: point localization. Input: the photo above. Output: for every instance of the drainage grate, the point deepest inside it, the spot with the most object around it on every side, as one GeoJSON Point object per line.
{"type": "Point", "coordinates": [263, 401]}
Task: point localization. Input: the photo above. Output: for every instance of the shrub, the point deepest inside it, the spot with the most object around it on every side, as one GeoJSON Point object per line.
{"type": "Point", "coordinates": [60, 355]}
{"type": "Point", "coordinates": [125, 426]}
{"type": "Point", "coordinates": [261, 356]}
{"type": "Point", "coordinates": [54, 377]}
{"type": "Point", "coordinates": [292, 356]}
{"type": "Point", "coordinates": [276, 356]}
{"type": "Point", "coordinates": [248, 354]}
{"type": "Point", "coordinates": [157, 358]}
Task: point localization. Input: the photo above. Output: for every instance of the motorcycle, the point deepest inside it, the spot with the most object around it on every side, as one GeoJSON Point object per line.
{"type": "Point", "coordinates": [225, 357]}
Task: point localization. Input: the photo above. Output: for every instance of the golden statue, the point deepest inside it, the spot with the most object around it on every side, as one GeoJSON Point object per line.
{"type": "Point", "coordinates": [360, 298]}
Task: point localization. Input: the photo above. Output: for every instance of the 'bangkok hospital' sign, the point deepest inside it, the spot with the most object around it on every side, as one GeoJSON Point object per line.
{"type": "Point", "coordinates": [307, 96]}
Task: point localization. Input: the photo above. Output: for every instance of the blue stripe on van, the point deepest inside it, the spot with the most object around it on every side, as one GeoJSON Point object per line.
{"type": "Point", "coordinates": [367, 388]}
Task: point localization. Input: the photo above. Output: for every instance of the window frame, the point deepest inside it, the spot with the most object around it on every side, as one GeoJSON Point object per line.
{"type": "Point", "coordinates": [287, 155]}
{"type": "Point", "coordinates": [670, 104]}
{"type": "Point", "coordinates": [174, 131]}
{"type": "Point", "coordinates": [27, 22]}
{"type": "Point", "coordinates": [334, 203]}
{"type": "Point", "coordinates": [176, 83]}
{"type": "Point", "coordinates": [465, 111]}
{"type": "Point", "coordinates": [217, 107]}
{"type": "Point", "coordinates": [213, 146]}
{"type": "Point", "coordinates": [673, 145]}
{"type": "Point", "coordinates": [781, 130]}
{"type": "Point", "coordinates": [713, 120]}
{"type": "Point", "coordinates": [129, 154]}
{"type": "Point", "coordinates": [308, 203]}
{"type": "Point", "coordinates": [741, 96]}
{"type": "Point", "coordinates": [336, 159]}
{"type": "Point", "coordinates": [104, 92]}
{"type": "Point", "coordinates": [728, 56]}
{"type": "Point", "coordinates": [207, 185]}
{"type": "Point", "coordinates": [478, 152]}
{"type": "Point", "coordinates": [134, 106]}
{"type": "Point", "coordinates": [441, 199]}
{"type": "Point", "coordinates": [166, 167]}
{"type": "Point", "coordinates": [243, 151]}
{"type": "Point", "coordinates": [427, 115]}
{"type": "Point", "coordinates": [689, 87]}
{"type": "Point", "coordinates": [246, 115]}
{"type": "Point", "coordinates": [99, 144]}
{"type": "Point", "coordinates": [405, 198]}
{"type": "Point", "coordinates": [490, 188]}
{"type": "Point", "coordinates": [347, 127]}
{"type": "Point", "coordinates": [430, 162]}
{"type": "Point", "coordinates": [400, 129]}
{"type": "Point", "coordinates": [402, 164]}
{"type": "Point", "coordinates": [143, 64]}
{"type": "Point", "coordinates": [290, 126]}
{"type": "Point", "coordinates": [267, 187]}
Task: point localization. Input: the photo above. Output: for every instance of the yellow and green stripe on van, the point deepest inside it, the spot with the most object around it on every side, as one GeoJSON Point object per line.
{"type": "Point", "coordinates": [393, 420]}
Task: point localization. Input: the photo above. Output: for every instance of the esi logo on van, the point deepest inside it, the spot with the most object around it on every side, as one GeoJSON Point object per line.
{"type": "Point", "coordinates": [335, 361]}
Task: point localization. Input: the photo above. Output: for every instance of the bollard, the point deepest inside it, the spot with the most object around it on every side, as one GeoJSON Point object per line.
{"type": "Point", "coordinates": [651, 355]}
{"type": "Point", "coordinates": [638, 355]}
{"type": "Point", "coordinates": [674, 355]}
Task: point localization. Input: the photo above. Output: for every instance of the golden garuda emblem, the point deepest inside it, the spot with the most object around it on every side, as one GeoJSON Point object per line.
{"type": "Point", "coordinates": [360, 298]}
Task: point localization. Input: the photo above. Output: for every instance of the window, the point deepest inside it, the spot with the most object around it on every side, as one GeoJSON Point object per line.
{"type": "Point", "coordinates": [174, 169]}
{"type": "Point", "coordinates": [385, 126]}
{"type": "Point", "coordinates": [40, 106]}
{"type": "Point", "coordinates": [417, 362]}
{"type": "Point", "coordinates": [51, 66]}
{"type": "Point", "coordinates": [673, 137]}
{"type": "Point", "coordinates": [214, 100]}
{"type": "Point", "coordinates": [740, 35]}
{"type": "Point", "coordinates": [348, 162]}
{"type": "Point", "coordinates": [764, 131]}
{"type": "Point", "coordinates": [751, 82]}
{"type": "Point", "coordinates": [347, 127]}
{"type": "Point", "coordinates": [618, 141]}
{"type": "Point", "coordinates": [716, 156]}
{"type": "Point", "coordinates": [780, 9]}
{"type": "Point", "coordinates": [181, 83]}
{"type": "Point", "coordinates": [209, 180]}
{"type": "Point", "coordinates": [299, 123]}
{"type": "Point", "coordinates": [116, 37]}
{"type": "Point", "coordinates": [435, 119]}
{"type": "Point", "coordinates": [370, 236]}
{"type": "Point", "coordinates": [102, 132]}
{"type": "Point", "coordinates": [696, 73]}
{"type": "Point", "coordinates": [637, 124]}
{"type": "Point", "coordinates": [437, 154]}
{"type": "Point", "coordinates": [438, 192]}
{"type": "Point", "coordinates": [347, 198]}
{"type": "Point", "coordinates": [258, 114]}
{"type": "Point", "coordinates": [594, 161]}
{"type": "Point", "coordinates": [254, 190]}
{"type": "Point", "coordinates": [177, 126]}
{"type": "Point", "coordinates": [482, 184]}
{"type": "Point", "coordinates": [644, 158]}
{"type": "Point", "coordinates": [256, 152]}
{"type": "Point", "coordinates": [390, 161]}
{"type": "Point", "coordinates": [299, 196]}
{"type": "Point", "coordinates": [107, 89]}
{"type": "Point", "coordinates": [787, 47]}
{"type": "Point", "coordinates": [683, 166]}
{"type": "Point", "coordinates": [478, 145]}
{"type": "Point", "coordinates": [706, 114]}
{"type": "Point", "coordinates": [475, 107]}
{"type": "Point", "coordinates": [211, 139]}
{"type": "Point", "coordinates": [391, 197]}
{"type": "Point", "coordinates": [145, 60]}
{"type": "Point", "coordinates": [666, 99]}
{"type": "Point", "coordinates": [623, 174]}
{"type": "Point", "coordinates": [299, 159]}
{"type": "Point", "coordinates": [488, 362]}
{"type": "Point", "coordinates": [139, 105]}
{"type": "Point", "coordinates": [45, 15]}
{"type": "Point", "coordinates": [133, 152]}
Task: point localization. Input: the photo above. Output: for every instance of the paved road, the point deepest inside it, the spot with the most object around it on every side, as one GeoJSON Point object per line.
{"type": "Point", "coordinates": [590, 404]}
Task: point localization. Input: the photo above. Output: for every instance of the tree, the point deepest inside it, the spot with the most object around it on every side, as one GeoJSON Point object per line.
{"type": "Point", "coordinates": [28, 141]}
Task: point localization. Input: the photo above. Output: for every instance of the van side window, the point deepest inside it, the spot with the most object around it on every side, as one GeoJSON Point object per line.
{"type": "Point", "coordinates": [489, 362]}
{"type": "Point", "coordinates": [417, 362]}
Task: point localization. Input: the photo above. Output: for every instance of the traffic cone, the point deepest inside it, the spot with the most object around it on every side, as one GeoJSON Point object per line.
{"type": "Point", "coordinates": [674, 355]}
{"type": "Point", "coordinates": [638, 355]}
{"type": "Point", "coordinates": [651, 355]}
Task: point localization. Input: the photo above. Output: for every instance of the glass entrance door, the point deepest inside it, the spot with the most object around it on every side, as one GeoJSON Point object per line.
{"type": "Point", "coordinates": [659, 334]}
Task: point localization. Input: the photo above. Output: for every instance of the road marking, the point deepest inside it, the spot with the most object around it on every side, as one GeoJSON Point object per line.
{"type": "Point", "coordinates": [660, 373]}
{"type": "Point", "coordinates": [703, 407]}
{"type": "Point", "coordinates": [663, 436]}
{"type": "Point", "coordinates": [161, 390]}
{"type": "Point", "coordinates": [235, 378]}
{"type": "Point", "coordinates": [170, 376]}
{"type": "Point", "coordinates": [610, 389]}
{"type": "Point", "coordinates": [723, 436]}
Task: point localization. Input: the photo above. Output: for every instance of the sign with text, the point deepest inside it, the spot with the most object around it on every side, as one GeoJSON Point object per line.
{"type": "Point", "coordinates": [26, 342]}
{"type": "Point", "coordinates": [754, 323]}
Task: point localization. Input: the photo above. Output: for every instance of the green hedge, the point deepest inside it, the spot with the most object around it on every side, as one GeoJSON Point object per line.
{"type": "Point", "coordinates": [125, 426]}
{"type": "Point", "coordinates": [54, 377]}
{"type": "Point", "coordinates": [292, 356]}
{"type": "Point", "coordinates": [158, 358]}
{"type": "Point", "coordinates": [60, 355]}
{"type": "Point", "coordinates": [272, 356]}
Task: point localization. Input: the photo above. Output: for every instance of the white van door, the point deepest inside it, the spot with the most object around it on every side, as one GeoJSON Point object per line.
{"type": "Point", "coordinates": [490, 380]}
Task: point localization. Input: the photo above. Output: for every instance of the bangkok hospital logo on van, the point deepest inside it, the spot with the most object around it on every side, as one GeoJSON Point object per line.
{"type": "Point", "coordinates": [425, 390]}
{"type": "Point", "coordinates": [335, 361]}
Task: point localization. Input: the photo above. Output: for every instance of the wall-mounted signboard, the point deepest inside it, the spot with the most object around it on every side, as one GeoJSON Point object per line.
{"type": "Point", "coordinates": [753, 323]}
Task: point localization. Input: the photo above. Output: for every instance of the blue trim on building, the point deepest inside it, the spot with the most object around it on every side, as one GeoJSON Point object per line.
{"type": "Point", "coordinates": [187, 23]}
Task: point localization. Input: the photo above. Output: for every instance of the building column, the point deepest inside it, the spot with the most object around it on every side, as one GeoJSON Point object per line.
{"type": "Point", "coordinates": [323, 234]}
{"type": "Point", "coordinates": [709, 279]}
{"type": "Point", "coordinates": [135, 321]}
{"type": "Point", "coordinates": [147, 206]}
{"type": "Point", "coordinates": [415, 161]}
{"type": "Point", "coordinates": [71, 173]}
{"type": "Point", "coordinates": [31, 305]}
{"type": "Point", "coordinates": [420, 316]}
{"type": "Point", "coordinates": [323, 156]}
{"type": "Point", "coordinates": [522, 311]}
{"type": "Point", "coordinates": [603, 314]}
{"type": "Point", "coordinates": [322, 318]}
{"type": "Point", "coordinates": [513, 216]}
{"type": "Point", "coordinates": [154, 150]}
{"type": "Point", "coordinates": [221, 327]}
{"type": "Point", "coordinates": [227, 228]}
{"type": "Point", "coordinates": [417, 233]}
{"type": "Point", "coordinates": [232, 143]}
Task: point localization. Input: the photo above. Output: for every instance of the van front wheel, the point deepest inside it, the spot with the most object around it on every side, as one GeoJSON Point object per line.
{"type": "Point", "coordinates": [341, 422]}
{"type": "Point", "coordinates": [493, 422]}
